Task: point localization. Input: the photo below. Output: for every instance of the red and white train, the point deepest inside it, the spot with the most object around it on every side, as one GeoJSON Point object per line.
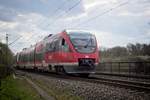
{"type": "Point", "coordinates": [71, 51]}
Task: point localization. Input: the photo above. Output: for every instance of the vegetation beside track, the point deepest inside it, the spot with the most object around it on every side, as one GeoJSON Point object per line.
{"type": "Point", "coordinates": [6, 60]}
{"type": "Point", "coordinates": [17, 89]}
{"type": "Point", "coordinates": [6, 55]}
{"type": "Point", "coordinates": [10, 88]}
{"type": "Point", "coordinates": [131, 52]}
{"type": "Point", "coordinates": [5, 71]}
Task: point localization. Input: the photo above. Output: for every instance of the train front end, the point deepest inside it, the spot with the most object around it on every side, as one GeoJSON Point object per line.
{"type": "Point", "coordinates": [84, 53]}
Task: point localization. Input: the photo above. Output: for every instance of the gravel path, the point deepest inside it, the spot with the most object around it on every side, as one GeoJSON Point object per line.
{"type": "Point", "coordinates": [42, 93]}
{"type": "Point", "coordinates": [91, 91]}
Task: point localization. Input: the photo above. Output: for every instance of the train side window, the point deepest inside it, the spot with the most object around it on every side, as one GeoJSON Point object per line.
{"type": "Point", "coordinates": [53, 46]}
{"type": "Point", "coordinates": [57, 45]}
{"type": "Point", "coordinates": [49, 47]}
{"type": "Point", "coordinates": [65, 46]}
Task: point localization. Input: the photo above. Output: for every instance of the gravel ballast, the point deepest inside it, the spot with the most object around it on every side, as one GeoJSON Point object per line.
{"type": "Point", "coordinates": [91, 91]}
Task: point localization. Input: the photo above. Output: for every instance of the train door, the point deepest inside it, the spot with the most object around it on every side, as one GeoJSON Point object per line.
{"type": "Point", "coordinates": [65, 51]}
{"type": "Point", "coordinates": [55, 55]}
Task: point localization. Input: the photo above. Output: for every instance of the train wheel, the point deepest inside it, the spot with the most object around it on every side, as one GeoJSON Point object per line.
{"type": "Point", "coordinates": [60, 69]}
{"type": "Point", "coordinates": [17, 67]}
{"type": "Point", "coordinates": [36, 69]}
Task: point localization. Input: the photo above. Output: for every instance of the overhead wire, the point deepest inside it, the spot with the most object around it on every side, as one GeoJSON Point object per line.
{"type": "Point", "coordinates": [54, 13]}
{"type": "Point", "coordinates": [93, 18]}
{"type": "Point", "coordinates": [60, 7]}
{"type": "Point", "coordinates": [103, 13]}
{"type": "Point", "coordinates": [72, 7]}
{"type": "Point", "coordinates": [57, 9]}
{"type": "Point", "coordinates": [15, 41]}
{"type": "Point", "coordinates": [88, 20]}
{"type": "Point", "coordinates": [66, 12]}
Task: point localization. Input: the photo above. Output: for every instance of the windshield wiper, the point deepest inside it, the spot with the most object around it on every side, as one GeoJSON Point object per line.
{"type": "Point", "coordinates": [87, 43]}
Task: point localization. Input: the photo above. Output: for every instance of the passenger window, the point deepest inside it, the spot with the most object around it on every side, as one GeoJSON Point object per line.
{"type": "Point", "coordinates": [57, 45]}
{"type": "Point", "coordinates": [49, 47]}
{"type": "Point", "coordinates": [53, 46]}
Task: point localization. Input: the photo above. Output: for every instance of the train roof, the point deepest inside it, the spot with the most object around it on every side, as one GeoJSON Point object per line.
{"type": "Point", "coordinates": [47, 36]}
{"type": "Point", "coordinates": [73, 30]}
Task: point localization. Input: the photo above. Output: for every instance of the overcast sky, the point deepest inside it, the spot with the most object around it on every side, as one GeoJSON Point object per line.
{"type": "Point", "coordinates": [114, 22]}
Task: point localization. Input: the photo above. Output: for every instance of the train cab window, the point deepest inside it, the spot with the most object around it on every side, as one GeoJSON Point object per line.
{"type": "Point", "coordinates": [65, 46]}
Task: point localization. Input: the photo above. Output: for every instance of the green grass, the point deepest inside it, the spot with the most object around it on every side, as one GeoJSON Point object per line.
{"type": "Point", "coordinates": [17, 89]}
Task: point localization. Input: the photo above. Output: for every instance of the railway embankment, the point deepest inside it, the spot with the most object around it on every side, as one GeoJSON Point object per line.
{"type": "Point", "coordinates": [78, 89]}
{"type": "Point", "coordinates": [16, 88]}
{"type": "Point", "coordinates": [47, 88]}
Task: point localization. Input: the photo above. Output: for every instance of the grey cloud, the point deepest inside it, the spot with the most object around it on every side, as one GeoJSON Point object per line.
{"type": "Point", "coordinates": [7, 15]}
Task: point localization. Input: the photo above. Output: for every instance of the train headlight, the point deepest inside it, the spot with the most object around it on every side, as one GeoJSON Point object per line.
{"type": "Point", "coordinates": [86, 56]}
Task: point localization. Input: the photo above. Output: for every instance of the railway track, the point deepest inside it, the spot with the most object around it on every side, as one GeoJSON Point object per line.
{"type": "Point", "coordinates": [125, 75]}
{"type": "Point", "coordinates": [139, 86]}
{"type": "Point", "coordinates": [123, 83]}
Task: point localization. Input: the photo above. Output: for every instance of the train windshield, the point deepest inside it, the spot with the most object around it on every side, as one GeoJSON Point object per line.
{"type": "Point", "coordinates": [83, 42]}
